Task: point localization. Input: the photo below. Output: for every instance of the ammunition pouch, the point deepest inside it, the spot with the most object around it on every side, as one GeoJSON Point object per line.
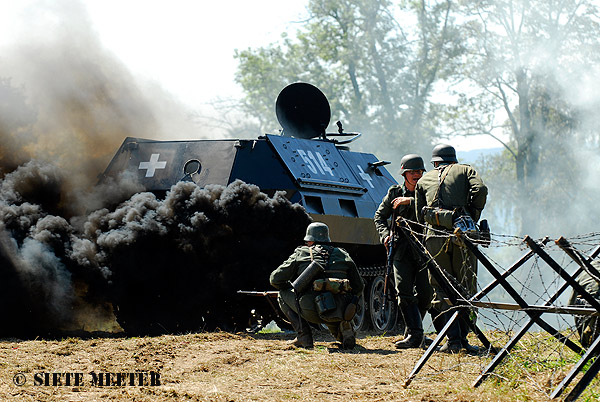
{"type": "Point", "coordinates": [325, 302]}
{"type": "Point", "coordinates": [485, 237]}
{"type": "Point", "coordinates": [332, 308]}
{"type": "Point", "coordinates": [333, 285]}
{"type": "Point", "coordinates": [303, 281]}
{"type": "Point", "coordinates": [466, 224]}
{"type": "Point", "coordinates": [438, 216]}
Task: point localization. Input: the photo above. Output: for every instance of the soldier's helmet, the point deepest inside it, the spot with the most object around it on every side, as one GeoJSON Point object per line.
{"type": "Point", "coordinates": [411, 162]}
{"type": "Point", "coordinates": [443, 153]}
{"type": "Point", "coordinates": [317, 232]}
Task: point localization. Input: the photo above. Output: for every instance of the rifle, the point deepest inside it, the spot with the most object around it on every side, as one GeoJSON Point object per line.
{"type": "Point", "coordinates": [269, 295]}
{"type": "Point", "coordinates": [266, 293]}
{"type": "Point", "coordinates": [389, 266]}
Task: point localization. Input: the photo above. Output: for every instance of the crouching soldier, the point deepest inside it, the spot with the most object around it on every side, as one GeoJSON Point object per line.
{"type": "Point", "coordinates": [320, 284]}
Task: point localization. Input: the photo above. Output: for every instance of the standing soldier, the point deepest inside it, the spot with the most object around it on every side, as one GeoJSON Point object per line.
{"type": "Point", "coordinates": [319, 283]}
{"type": "Point", "coordinates": [588, 326]}
{"type": "Point", "coordinates": [457, 190]}
{"type": "Point", "coordinates": [412, 283]}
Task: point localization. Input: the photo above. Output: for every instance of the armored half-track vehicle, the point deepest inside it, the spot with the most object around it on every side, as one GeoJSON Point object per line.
{"type": "Point", "coordinates": [315, 169]}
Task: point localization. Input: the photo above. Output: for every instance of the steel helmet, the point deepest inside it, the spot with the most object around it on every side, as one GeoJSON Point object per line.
{"type": "Point", "coordinates": [443, 153]}
{"type": "Point", "coordinates": [411, 162]}
{"type": "Point", "coordinates": [317, 232]}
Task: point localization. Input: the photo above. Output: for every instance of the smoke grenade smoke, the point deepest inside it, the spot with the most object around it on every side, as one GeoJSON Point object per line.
{"type": "Point", "coordinates": [74, 254]}
{"type": "Point", "coordinates": [187, 255]}
{"type": "Point", "coordinates": [40, 280]}
{"type": "Point", "coordinates": [167, 265]}
{"type": "Point", "coordinates": [66, 100]}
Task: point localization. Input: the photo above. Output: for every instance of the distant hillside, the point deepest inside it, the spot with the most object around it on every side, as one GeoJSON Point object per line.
{"type": "Point", "coordinates": [474, 154]}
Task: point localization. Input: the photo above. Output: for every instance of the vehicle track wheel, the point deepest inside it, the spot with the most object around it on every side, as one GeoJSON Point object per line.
{"type": "Point", "coordinates": [382, 319]}
{"type": "Point", "coordinates": [360, 322]}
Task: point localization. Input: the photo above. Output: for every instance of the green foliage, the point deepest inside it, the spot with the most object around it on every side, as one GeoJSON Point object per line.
{"type": "Point", "coordinates": [379, 73]}
{"type": "Point", "coordinates": [524, 58]}
{"type": "Point", "coordinates": [537, 358]}
{"type": "Point", "coordinates": [409, 73]}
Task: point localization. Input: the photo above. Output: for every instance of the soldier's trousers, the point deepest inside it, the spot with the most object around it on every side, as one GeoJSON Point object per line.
{"type": "Point", "coordinates": [455, 260]}
{"type": "Point", "coordinates": [308, 309]}
{"type": "Point", "coordinates": [412, 281]}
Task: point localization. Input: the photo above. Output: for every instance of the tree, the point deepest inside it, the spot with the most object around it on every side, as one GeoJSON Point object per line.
{"type": "Point", "coordinates": [521, 52]}
{"type": "Point", "coordinates": [378, 74]}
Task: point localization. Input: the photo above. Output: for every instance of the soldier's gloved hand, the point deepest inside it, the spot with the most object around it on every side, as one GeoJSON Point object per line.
{"type": "Point", "coordinates": [401, 201]}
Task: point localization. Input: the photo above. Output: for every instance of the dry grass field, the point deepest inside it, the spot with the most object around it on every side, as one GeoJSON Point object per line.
{"type": "Point", "coordinates": [223, 366]}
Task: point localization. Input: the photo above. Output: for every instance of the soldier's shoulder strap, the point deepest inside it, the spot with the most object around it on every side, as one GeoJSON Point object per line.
{"type": "Point", "coordinates": [323, 251]}
{"type": "Point", "coordinates": [443, 172]}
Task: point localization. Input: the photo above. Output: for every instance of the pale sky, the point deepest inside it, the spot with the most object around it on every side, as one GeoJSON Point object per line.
{"type": "Point", "coordinates": [186, 46]}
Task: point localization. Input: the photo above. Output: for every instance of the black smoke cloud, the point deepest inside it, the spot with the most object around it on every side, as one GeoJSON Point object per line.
{"type": "Point", "coordinates": [161, 265]}
{"type": "Point", "coordinates": [75, 254]}
{"type": "Point", "coordinates": [40, 281]}
{"type": "Point", "coordinates": [67, 100]}
{"type": "Point", "coordinates": [177, 263]}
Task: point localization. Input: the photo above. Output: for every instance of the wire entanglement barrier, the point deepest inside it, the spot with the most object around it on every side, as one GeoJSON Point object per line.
{"type": "Point", "coordinates": [534, 313]}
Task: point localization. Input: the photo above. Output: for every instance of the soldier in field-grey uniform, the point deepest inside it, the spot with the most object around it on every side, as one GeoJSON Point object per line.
{"type": "Point", "coordinates": [411, 279]}
{"type": "Point", "coordinates": [456, 187]}
{"type": "Point", "coordinates": [588, 326]}
{"type": "Point", "coordinates": [332, 294]}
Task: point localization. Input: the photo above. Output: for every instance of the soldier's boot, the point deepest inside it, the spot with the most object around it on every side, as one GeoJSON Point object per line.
{"type": "Point", "coordinates": [427, 341]}
{"type": "Point", "coordinates": [334, 328]}
{"type": "Point", "coordinates": [346, 332]}
{"type": "Point", "coordinates": [438, 319]}
{"type": "Point", "coordinates": [414, 328]}
{"type": "Point", "coordinates": [453, 344]}
{"type": "Point", "coordinates": [464, 331]}
{"type": "Point", "coordinates": [304, 338]}
{"type": "Point", "coordinates": [351, 309]}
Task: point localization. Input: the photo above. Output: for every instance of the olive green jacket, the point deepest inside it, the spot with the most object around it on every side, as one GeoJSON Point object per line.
{"type": "Point", "coordinates": [461, 187]}
{"type": "Point", "coordinates": [385, 210]}
{"type": "Point", "coordinates": [588, 283]}
{"type": "Point", "coordinates": [340, 265]}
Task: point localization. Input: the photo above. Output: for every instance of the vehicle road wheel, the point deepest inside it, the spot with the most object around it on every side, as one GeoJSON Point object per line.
{"type": "Point", "coordinates": [360, 322]}
{"type": "Point", "coordinates": [383, 320]}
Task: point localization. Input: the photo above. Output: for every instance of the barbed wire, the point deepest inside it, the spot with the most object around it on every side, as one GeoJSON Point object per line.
{"type": "Point", "coordinates": [539, 360]}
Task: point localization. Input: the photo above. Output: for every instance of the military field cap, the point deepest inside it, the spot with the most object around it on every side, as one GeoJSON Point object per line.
{"type": "Point", "coordinates": [411, 162]}
{"type": "Point", "coordinates": [318, 232]}
{"type": "Point", "coordinates": [443, 153]}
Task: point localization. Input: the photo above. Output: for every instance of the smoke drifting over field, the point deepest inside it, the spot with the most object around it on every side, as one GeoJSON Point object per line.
{"type": "Point", "coordinates": [167, 265]}
{"type": "Point", "coordinates": [65, 99]}
{"type": "Point", "coordinates": [70, 250]}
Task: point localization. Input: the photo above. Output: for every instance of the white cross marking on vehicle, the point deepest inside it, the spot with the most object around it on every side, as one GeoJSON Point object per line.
{"type": "Point", "coordinates": [152, 165]}
{"type": "Point", "coordinates": [365, 176]}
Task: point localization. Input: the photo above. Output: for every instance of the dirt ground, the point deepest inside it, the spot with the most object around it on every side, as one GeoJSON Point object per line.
{"type": "Point", "coordinates": [241, 367]}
